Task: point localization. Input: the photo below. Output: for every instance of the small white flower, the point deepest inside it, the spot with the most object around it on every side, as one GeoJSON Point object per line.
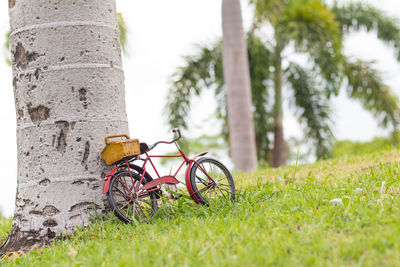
{"type": "Point", "coordinates": [357, 190]}
{"type": "Point", "coordinates": [72, 253]}
{"type": "Point", "coordinates": [337, 201]}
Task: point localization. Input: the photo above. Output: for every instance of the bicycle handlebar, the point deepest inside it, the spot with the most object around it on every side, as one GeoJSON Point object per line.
{"type": "Point", "coordinates": [175, 130]}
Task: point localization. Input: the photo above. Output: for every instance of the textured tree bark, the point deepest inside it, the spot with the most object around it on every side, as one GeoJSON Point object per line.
{"type": "Point", "coordinates": [69, 93]}
{"type": "Point", "coordinates": [237, 80]}
{"type": "Point", "coordinates": [279, 151]}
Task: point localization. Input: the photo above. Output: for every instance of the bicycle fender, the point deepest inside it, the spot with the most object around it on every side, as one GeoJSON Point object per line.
{"type": "Point", "coordinates": [108, 179]}
{"type": "Point", "coordinates": [159, 181]}
{"type": "Point", "coordinates": [187, 177]}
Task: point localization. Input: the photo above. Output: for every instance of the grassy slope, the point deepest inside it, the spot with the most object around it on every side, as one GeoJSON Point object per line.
{"type": "Point", "coordinates": [282, 217]}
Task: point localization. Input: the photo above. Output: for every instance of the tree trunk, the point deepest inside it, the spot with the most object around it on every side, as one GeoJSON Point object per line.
{"type": "Point", "coordinates": [237, 80]}
{"type": "Point", "coordinates": [279, 152]}
{"type": "Point", "coordinates": [69, 93]}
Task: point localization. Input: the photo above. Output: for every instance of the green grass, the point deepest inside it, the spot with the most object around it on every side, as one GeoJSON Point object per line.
{"type": "Point", "coordinates": [339, 212]}
{"type": "Point", "coordinates": [5, 227]}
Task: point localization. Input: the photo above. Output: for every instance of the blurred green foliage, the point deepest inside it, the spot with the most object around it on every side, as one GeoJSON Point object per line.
{"type": "Point", "coordinates": [122, 31]}
{"type": "Point", "coordinates": [350, 148]}
{"type": "Point", "coordinates": [7, 45]}
{"type": "Point", "coordinates": [316, 30]}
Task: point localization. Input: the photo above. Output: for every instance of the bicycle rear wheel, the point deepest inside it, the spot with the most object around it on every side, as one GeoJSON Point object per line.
{"type": "Point", "coordinates": [126, 204]}
{"type": "Point", "coordinates": [212, 181]}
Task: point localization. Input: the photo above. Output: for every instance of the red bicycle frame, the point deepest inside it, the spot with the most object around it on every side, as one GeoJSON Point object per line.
{"type": "Point", "coordinates": [169, 179]}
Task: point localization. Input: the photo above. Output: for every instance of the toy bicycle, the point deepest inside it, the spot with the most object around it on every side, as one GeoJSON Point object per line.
{"type": "Point", "coordinates": [132, 193]}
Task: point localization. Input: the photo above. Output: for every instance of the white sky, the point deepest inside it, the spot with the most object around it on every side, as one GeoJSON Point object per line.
{"type": "Point", "coordinates": [160, 33]}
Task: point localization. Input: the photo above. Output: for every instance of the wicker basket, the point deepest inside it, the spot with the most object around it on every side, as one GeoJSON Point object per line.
{"type": "Point", "coordinates": [117, 150]}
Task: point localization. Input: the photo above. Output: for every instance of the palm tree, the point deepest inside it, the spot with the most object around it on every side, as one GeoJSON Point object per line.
{"type": "Point", "coordinates": [237, 80]}
{"type": "Point", "coordinates": [312, 28]}
{"type": "Point", "coordinates": [69, 94]}
{"type": "Point", "coordinates": [317, 30]}
{"type": "Point", "coordinates": [205, 70]}
{"type": "Point", "coordinates": [122, 36]}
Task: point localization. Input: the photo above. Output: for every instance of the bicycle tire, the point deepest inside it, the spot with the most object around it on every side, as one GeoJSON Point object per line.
{"type": "Point", "coordinates": [202, 185]}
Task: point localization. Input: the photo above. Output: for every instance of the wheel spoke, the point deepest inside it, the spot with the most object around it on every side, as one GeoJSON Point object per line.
{"type": "Point", "coordinates": [120, 204]}
{"type": "Point", "coordinates": [206, 180]}
{"type": "Point", "coordinates": [222, 193]}
{"type": "Point", "coordinates": [222, 178]}
{"type": "Point", "coordinates": [222, 190]}
{"type": "Point", "coordinates": [134, 210]}
{"type": "Point", "coordinates": [145, 201]}
{"type": "Point", "coordinates": [204, 168]}
{"type": "Point", "coordinates": [121, 193]}
{"type": "Point", "coordinates": [127, 210]}
{"type": "Point", "coordinates": [211, 171]}
{"type": "Point", "coordinates": [124, 186]}
{"type": "Point", "coordinates": [202, 180]}
{"type": "Point", "coordinates": [204, 189]}
{"type": "Point", "coordinates": [126, 204]}
{"type": "Point", "coordinates": [225, 190]}
{"type": "Point", "coordinates": [205, 171]}
{"type": "Point", "coordinates": [140, 210]}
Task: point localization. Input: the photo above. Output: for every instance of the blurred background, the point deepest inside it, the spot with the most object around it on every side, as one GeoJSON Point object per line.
{"type": "Point", "coordinates": [160, 34]}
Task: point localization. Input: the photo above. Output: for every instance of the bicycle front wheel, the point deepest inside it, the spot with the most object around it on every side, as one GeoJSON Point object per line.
{"type": "Point", "coordinates": [211, 180]}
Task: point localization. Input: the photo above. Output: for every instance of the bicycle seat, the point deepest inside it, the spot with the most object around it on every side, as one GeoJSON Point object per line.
{"type": "Point", "coordinates": [144, 148]}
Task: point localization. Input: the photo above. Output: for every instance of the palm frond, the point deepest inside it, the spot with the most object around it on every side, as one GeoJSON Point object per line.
{"type": "Point", "coordinates": [268, 10]}
{"type": "Point", "coordinates": [7, 43]}
{"type": "Point", "coordinates": [312, 27]}
{"type": "Point", "coordinates": [7, 46]}
{"type": "Point", "coordinates": [365, 84]}
{"type": "Point", "coordinates": [313, 108]}
{"type": "Point", "coordinates": [200, 72]}
{"type": "Point", "coordinates": [356, 16]}
{"type": "Point", "coordinates": [205, 71]}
